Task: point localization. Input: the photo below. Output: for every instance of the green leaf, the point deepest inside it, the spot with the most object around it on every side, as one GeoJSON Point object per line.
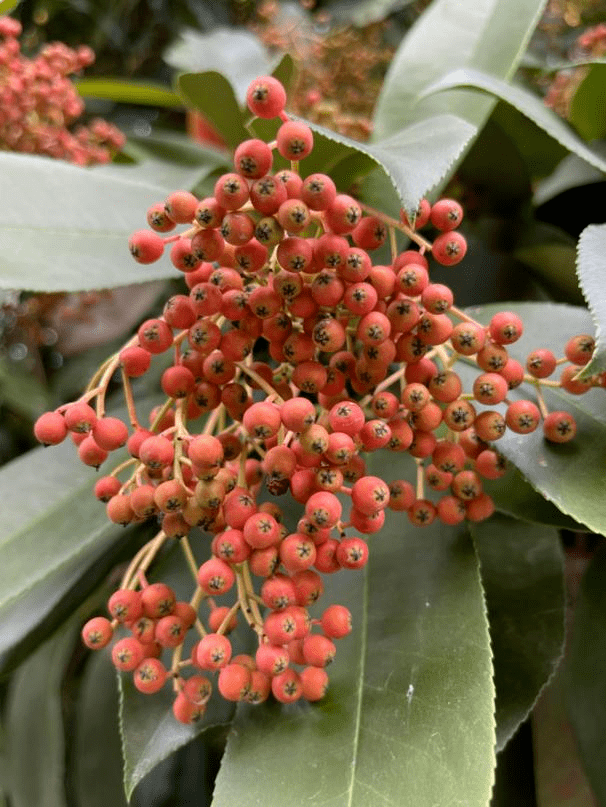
{"type": "Point", "coordinates": [236, 53]}
{"type": "Point", "coordinates": [408, 716]}
{"type": "Point", "coordinates": [128, 92]}
{"type": "Point", "coordinates": [591, 271]}
{"type": "Point", "coordinates": [148, 729]}
{"type": "Point", "coordinates": [8, 5]}
{"type": "Point", "coordinates": [487, 35]}
{"type": "Point", "coordinates": [517, 498]}
{"type": "Point", "coordinates": [21, 391]}
{"type": "Point", "coordinates": [57, 520]}
{"type": "Point", "coordinates": [213, 96]}
{"type": "Point", "coordinates": [67, 228]}
{"type": "Point", "coordinates": [167, 159]}
{"type": "Point", "coordinates": [588, 105]}
{"type": "Point", "coordinates": [583, 675]}
{"type": "Point", "coordinates": [35, 725]}
{"type": "Point", "coordinates": [527, 103]}
{"type": "Point", "coordinates": [522, 575]}
{"type": "Point", "coordinates": [96, 738]}
{"type": "Point", "coordinates": [572, 172]}
{"type": "Point", "coordinates": [403, 156]}
{"type": "Point", "coordinates": [30, 618]}
{"type": "Point", "coordinates": [565, 474]}
{"type": "Point", "coordinates": [554, 264]}
{"type": "Point", "coordinates": [540, 152]}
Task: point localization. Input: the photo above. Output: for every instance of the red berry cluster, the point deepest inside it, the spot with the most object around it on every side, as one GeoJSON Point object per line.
{"type": "Point", "coordinates": [38, 103]}
{"type": "Point", "coordinates": [302, 356]}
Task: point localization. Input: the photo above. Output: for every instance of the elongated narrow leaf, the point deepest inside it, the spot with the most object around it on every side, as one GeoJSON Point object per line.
{"type": "Point", "coordinates": [97, 737]}
{"type": "Point", "coordinates": [58, 518]}
{"type": "Point", "coordinates": [540, 152]}
{"type": "Point", "coordinates": [567, 474]}
{"type": "Point", "coordinates": [591, 271]}
{"type": "Point", "coordinates": [150, 732]}
{"type": "Point", "coordinates": [488, 35]}
{"type": "Point", "coordinates": [522, 575]}
{"type": "Point", "coordinates": [408, 717]}
{"type": "Point", "coordinates": [213, 96]}
{"type": "Point", "coordinates": [527, 103]}
{"type": "Point", "coordinates": [584, 678]}
{"type": "Point", "coordinates": [21, 391]}
{"type": "Point", "coordinates": [30, 618]}
{"type": "Point", "coordinates": [128, 92]}
{"type": "Point", "coordinates": [403, 156]}
{"type": "Point", "coordinates": [35, 724]}
{"type": "Point", "coordinates": [67, 228]}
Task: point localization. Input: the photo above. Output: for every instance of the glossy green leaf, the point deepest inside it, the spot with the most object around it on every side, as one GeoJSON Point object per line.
{"type": "Point", "coordinates": [591, 271]}
{"type": "Point", "coordinates": [551, 66]}
{"type": "Point", "coordinates": [583, 676]}
{"type": "Point", "coordinates": [8, 5]}
{"type": "Point", "coordinates": [588, 105]}
{"type": "Point", "coordinates": [169, 160]}
{"type": "Point", "coordinates": [522, 574]}
{"type": "Point", "coordinates": [530, 105]}
{"type": "Point", "coordinates": [67, 228]}
{"type": "Point", "coordinates": [567, 474]}
{"type": "Point", "coordinates": [516, 497]}
{"type": "Point", "coordinates": [213, 96]}
{"type": "Point", "coordinates": [501, 184]}
{"type": "Point", "coordinates": [148, 729]}
{"type": "Point", "coordinates": [236, 53]}
{"type": "Point", "coordinates": [487, 35]}
{"type": "Point", "coordinates": [31, 617]}
{"type": "Point", "coordinates": [21, 391]}
{"type": "Point", "coordinates": [408, 719]}
{"type": "Point", "coordinates": [403, 155]}
{"type": "Point", "coordinates": [554, 265]}
{"type": "Point", "coordinates": [96, 733]}
{"type": "Point", "coordinates": [128, 92]}
{"type": "Point", "coordinates": [572, 172]}
{"type": "Point", "coordinates": [57, 520]}
{"type": "Point", "coordinates": [35, 725]}
{"type": "Point", "coordinates": [540, 151]}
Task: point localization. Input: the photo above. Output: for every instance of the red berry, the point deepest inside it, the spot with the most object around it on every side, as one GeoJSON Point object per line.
{"type": "Point", "coordinates": [253, 159]}
{"type": "Point", "coordinates": [522, 417]}
{"type": "Point", "coordinates": [266, 97]}
{"type": "Point", "coordinates": [150, 676]}
{"type": "Point", "coordinates": [127, 654]}
{"type": "Point", "coordinates": [110, 433]}
{"type": "Point", "coordinates": [146, 246]}
{"type": "Point", "coordinates": [559, 427]}
{"type": "Point", "coordinates": [50, 429]}
{"type": "Point", "coordinates": [295, 140]}
{"type": "Point", "coordinates": [181, 206]}
{"type": "Point", "coordinates": [449, 248]}
{"type": "Point", "coordinates": [505, 328]}
{"type": "Point", "coordinates": [318, 191]}
{"type": "Point", "coordinates": [446, 214]}
{"type": "Point", "coordinates": [97, 632]}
